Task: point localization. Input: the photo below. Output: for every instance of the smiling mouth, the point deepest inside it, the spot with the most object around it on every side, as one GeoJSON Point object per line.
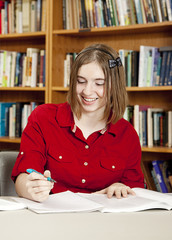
{"type": "Point", "coordinates": [89, 99]}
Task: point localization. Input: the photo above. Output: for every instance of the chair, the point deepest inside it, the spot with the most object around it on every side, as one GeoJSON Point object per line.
{"type": "Point", "coordinates": [7, 160]}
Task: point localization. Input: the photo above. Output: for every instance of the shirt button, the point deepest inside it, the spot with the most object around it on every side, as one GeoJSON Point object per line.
{"type": "Point", "coordinates": [85, 164]}
{"type": "Point", "coordinates": [86, 146]}
{"type": "Point", "coordinates": [22, 153]}
{"type": "Point", "coordinates": [83, 180]}
{"type": "Point", "coordinates": [113, 167]}
{"type": "Point", "coordinates": [60, 157]}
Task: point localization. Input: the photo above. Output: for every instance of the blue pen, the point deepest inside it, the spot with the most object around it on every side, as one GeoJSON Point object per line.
{"type": "Point", "coordinates": [29, 170]}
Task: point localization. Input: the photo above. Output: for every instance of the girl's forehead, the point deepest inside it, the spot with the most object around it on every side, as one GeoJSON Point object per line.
{"type": "Point", "coordinates": [92, 68]}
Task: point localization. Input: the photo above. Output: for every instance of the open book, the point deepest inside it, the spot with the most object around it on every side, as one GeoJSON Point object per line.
{"type": "Point", "coordinates": [81, 202]}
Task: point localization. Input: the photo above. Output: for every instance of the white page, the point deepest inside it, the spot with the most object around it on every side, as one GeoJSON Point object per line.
{"type": "Point", "coordinates": [61, 202]}
{"type": "Point", "coordinates": [129, 204]}
{"type": "Point", "coordinates": [9, 204]}
{"type": "Point", "coordinates": [161, 197]}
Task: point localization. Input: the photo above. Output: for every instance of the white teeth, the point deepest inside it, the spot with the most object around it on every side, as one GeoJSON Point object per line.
{"type": "Point", "coordinates": [89, 99]}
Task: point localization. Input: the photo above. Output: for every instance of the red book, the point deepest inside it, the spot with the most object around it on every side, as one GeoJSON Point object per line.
{"type": "Point", "coordinates": [1, 7]}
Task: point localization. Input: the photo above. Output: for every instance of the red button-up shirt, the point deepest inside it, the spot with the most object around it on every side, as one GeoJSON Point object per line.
{"type": "Point", "coordinates": [52, 141]}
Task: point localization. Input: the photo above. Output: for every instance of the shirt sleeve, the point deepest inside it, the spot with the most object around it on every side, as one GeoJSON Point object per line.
{"type": "Point", "coordinates": [133, 175]}
{"type": "Point", "coordinates": [32, 148]}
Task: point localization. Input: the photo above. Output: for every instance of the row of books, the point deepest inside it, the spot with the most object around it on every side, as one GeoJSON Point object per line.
{"type": "Point", "coordinates": [153, 125]}
{"type": "Point", "coordinates": [155, 66]}
{"type": "Point", "coordinates": [151, 66]}
{"type": "Point", "coordinates": [22, 69]}
{"type": "Point", "coordinates": [162, 175]}
{"type": "Point", "coordinates": [80, 14]}
{"type": "Point", "coordinates": [13, 117]}
{"type": "Point", "coordinates": [19, 16]}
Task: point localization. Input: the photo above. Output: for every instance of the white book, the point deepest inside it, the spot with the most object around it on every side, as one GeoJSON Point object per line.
{"type": "Point", "coordinates": [141, 127]}
{"type": "Point", "coordinates": [13, 68]}
{"type": "Point", "coordinates": [8, 68]}
{"type": "Point", "coordinates": [29, 53]}
{"type": "Point", "coordinates": [150, 124]}
{"type": "Point", "coordinates": [65, 74]}
{"type": "Point", "coordinates": [33, 11]}
{"type": "Point", "coordinates": [12, 16]}
{"type": "Point", "coordinates": [26, 15]}
{"type": "Point", "coordinates": [34, 69]}
{"type": "Point", "coordinates": [169, 128]}
{"type": "Point", "coordinates": [143, 65]}
{"type": "Point", "coordinates": [120, 12]}
{"type": "Point", "coordinates": [1, 66]}
{"type": "Point", "coordinates": [24, 73]}
{"type": "Point", "coordinates": [169, 9]}
{"type": "Point", "coordinates": [19, 16]}
{"type": "Point", "coordinates": [82, 202]}
{"type": "Point", "coordinates": [24, 116]}
{"type": "Point", "coordinates": [157, 3]}
{"type": "Point", "coordinates": [136, 118]}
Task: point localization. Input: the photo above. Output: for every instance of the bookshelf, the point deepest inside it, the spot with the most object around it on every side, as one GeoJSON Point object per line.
{"type": "Point", "coordinates": [121, 37]}
{"type": "Point", "coordinates": [20, 42]}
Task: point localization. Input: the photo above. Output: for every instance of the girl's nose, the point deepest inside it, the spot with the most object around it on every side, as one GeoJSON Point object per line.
{"type": "Point", "coordinates": [87, 89]}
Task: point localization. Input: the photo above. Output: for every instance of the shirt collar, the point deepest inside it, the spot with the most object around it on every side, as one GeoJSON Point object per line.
{"type": "Point", "coordinates": [64, 115]}
{"type": "Point", "coordinates": [117, 128]}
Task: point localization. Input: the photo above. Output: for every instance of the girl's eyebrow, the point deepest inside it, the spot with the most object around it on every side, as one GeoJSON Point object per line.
{"type": "Point", "coordinates": [94, 79]}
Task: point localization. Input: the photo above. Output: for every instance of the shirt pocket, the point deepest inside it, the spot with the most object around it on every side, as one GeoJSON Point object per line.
{"type": "Point", "coordinates": [61, 156]}
{"type": "Point", "coordinates": [112, 164]}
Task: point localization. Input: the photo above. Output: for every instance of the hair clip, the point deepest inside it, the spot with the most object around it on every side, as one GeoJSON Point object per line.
{"type": "Point", "coordinates": [115, 62]}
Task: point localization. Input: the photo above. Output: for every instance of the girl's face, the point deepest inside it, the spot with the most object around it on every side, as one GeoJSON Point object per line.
{"type": "Point", "coordinates": [90, 88]}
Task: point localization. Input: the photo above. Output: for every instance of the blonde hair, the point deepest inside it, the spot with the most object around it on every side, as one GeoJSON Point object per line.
{"type": "Point", "coordinates": [115, 88]}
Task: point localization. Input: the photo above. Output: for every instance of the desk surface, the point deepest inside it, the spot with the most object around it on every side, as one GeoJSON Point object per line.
{"type": "Point", "coordinates": [147, 225]}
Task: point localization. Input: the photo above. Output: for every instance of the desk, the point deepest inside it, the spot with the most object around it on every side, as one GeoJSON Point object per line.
{"type": "Point", "coordinates": [147, 225]}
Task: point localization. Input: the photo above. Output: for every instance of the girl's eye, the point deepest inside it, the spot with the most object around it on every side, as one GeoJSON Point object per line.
{"type": "Point", "coordinates": [100, 83]}
{"type": "Point", "coordinates": [80, 81]}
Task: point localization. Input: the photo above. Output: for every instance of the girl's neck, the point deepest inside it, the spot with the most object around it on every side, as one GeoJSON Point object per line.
{"type": "Point", "coordinates": [89, 123]}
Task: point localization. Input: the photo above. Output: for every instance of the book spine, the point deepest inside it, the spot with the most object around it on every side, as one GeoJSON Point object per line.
{"type": "Point", "coordinates": [159, 176]}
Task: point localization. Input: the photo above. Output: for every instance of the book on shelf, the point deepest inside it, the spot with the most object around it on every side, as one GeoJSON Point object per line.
{"type": "Point", "coordinates": [33, 16]}
{"type": "Point", "coordinates": [3, 107]}
{"type": "Point", "coordinates": [82, 202]}
{"type": "Point", "coordinates": [39, 15]}
{"type": "Point", "coordinates": [22, 69]}
{"type": "Point", "coordinates": [41, 78]}
{"type": "Point", "coordinates": [145, 68]}
{"type": "Point", "coordinates": [153, 125]}
{"type": "Point", "coordinates": [67, 68]}
{"type": "Point", "coordinates": [163, 68]}
{"type": "Point", "coordinates": [162, 171]}
{"type": "Point", "coordinates": [1, 7]}
{"type": "Point", "coordinates": [13, 117]}
{"type": "Point", "coordinates": [43, 16]}
{"type": "Point", "coordinates": [101, 13]}
{"type": "Point", "coordinates": [26, 9]}
{"type": "Point", "coordinates": [20, 16]}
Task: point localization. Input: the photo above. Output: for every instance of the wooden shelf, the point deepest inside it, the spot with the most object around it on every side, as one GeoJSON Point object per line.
{"type": "Point", "coordinates": [146, 89]}
{"type": "Point", "coordinates": [22, 89]}
{"type": "Point", "coordinates": [65, 89]}
{"type": "Point", "coordinates": [157, 149]}
{"type": "Point", "coordinates": [137, 28]}
{"type": "Point", "coordinates": [22, 35]}
{"type": "Point", "coordinates": [10, 140]}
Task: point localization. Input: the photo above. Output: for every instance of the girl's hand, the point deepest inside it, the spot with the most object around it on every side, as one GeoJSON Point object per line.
{"type": "Point", "coordinates": [34, 186]}
{"type": "Point", "coordinates": [38, 187]}
{"type": "Point", "coordinates": [117, 189]}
